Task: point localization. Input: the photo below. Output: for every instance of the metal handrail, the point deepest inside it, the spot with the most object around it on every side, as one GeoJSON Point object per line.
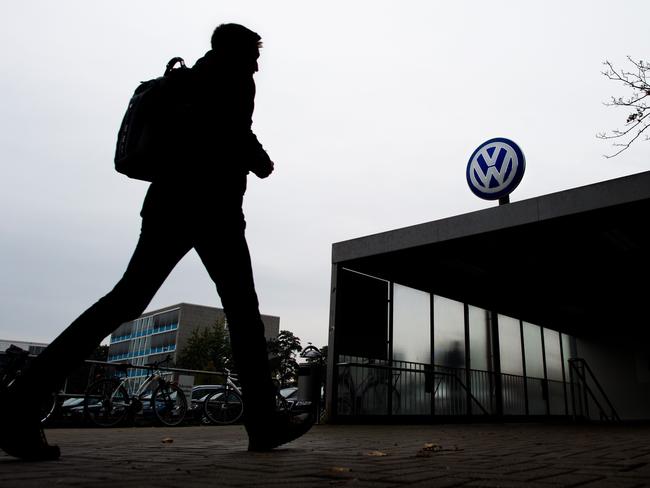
{"type": "Point", "coordinates": [573, 365]}
{"type": "Point", "coordinates": [414, 370]}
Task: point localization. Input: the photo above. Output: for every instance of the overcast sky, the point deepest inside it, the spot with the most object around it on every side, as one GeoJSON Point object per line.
{"type": "Point", "coordinates": [370, 111]}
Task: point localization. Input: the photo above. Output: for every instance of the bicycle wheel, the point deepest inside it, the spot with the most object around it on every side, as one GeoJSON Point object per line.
{"type": "Point", "coordinates": [223, 407]}
{"type": "Point", "coordinates": [106, 403]}
{"type": "Point", "coordinates": [169, 404]}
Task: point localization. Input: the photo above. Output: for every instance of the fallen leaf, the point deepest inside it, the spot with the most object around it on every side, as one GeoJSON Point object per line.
{"type": "Point", "coordinates": [430, 446]}
{"type": "Point", "coordinates": [339, 469]}
{"type": "Point", "coordinates": [428, 449]}
{"type": "Point", "coordinates": [376, 454]}
{"type": "Point", "coordinates": [167, 440]}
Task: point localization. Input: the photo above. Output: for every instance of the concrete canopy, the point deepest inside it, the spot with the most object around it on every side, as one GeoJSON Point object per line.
{"type": "Point", "coordinates": [576, 261]}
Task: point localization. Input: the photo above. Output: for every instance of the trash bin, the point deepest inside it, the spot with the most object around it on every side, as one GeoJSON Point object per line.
{"type": "Point", "coordinates": [309, 386]}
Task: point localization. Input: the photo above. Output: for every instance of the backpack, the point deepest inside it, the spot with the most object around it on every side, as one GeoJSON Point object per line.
{"type": "Point", "coordinates": [154, 113]}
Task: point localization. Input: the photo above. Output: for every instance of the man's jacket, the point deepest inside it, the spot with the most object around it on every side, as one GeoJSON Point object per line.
{"type": "Point", "coordinates": [212, 146]}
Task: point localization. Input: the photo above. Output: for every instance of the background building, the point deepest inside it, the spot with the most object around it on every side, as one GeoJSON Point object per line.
{"type": "Point", "coordinates": [34, 348]}
{"type": "Point", "coordinates": [159, 333]}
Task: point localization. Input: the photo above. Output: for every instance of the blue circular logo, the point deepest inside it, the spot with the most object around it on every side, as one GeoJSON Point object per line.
{"type": "Point", "coordinates": [495, 168]}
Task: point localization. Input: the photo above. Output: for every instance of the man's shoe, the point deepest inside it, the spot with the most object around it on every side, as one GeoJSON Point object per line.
{"type": "Point", "coordinates": [28, 443]}
{"type": "Point", "coordinates": [21, 434]}
{"type": "Point", "coordinates": [280, 429]}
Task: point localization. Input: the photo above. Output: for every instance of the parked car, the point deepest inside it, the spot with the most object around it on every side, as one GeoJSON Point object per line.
{"type": "Point", "coordinates": [290, 395]}
{"type": "Point", "coordinates": [199, 394]}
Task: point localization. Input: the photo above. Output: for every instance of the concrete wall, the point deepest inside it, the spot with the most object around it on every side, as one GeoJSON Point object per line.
{"type": "Point", "coordinates": [623, 374]}
{"type": "Point", "coordinates": [195, 317]}
{"type": "Point", "coordinates": [199, 316]}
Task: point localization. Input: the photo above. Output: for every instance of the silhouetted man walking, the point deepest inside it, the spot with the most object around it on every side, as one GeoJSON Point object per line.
{"type": "Point", "coordinates": [203, 192]}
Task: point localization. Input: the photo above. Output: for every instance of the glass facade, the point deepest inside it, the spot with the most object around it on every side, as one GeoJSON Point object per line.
{"type": "Point", "coordinates": [431, 342]}
{"type": "Point", "coordinates": [411, 319]}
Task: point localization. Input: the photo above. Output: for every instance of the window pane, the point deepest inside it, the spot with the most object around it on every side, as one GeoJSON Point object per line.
{"type": "Point", "coordinates": [566, 351]}
{"type": "Point", "coordinates": [553, 356]}
{"type": "Point", "coordinates": [411, 325]}
{"type": "Point", "coordinates": [448, 332]}
{"type": "Point", "coordinates": [479, 342]}
{"type": "Point", "coordinates": [533, 351]}
{"type": "Point", "coordinates": [514, 402]}
{"type": "Point", "coordinates": [510, 345]}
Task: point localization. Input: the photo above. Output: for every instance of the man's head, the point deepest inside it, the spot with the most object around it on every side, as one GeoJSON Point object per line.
{"type": "Point", "coordinates": [236, 45]}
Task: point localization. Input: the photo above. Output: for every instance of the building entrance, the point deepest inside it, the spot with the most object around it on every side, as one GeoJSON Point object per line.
{"type": "Point", "coordinates": [405, 352]}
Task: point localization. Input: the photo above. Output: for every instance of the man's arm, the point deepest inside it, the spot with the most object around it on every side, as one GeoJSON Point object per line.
{"type": "Point", "coordinates": [255, 157]}
{"type": "Point", "coordinates": [259, 161]}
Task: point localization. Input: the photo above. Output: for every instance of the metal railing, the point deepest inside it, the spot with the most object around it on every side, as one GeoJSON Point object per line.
{"type": "Point", "coordinates": [583, 395]}
{"type": "Point", "coordinates": [379, 387]}
{"type": "Point", "coordinates": [367, 387]}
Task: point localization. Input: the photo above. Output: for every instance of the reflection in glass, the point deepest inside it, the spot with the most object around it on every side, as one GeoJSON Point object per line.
{"type": "Point", "coordinates": [479, 338]}
{"type": "Point", "coordinates": [448, 332]}
{"type": "Point", "coordinates": [364, 386]}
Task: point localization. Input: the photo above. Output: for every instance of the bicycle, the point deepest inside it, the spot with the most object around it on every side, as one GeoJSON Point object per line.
{"type": "Point", "coordinates": [224, 406]}
{"type": "Point", "coordinates": [370, 396]}
{"type": "Point", "coordinates": [107, 401]}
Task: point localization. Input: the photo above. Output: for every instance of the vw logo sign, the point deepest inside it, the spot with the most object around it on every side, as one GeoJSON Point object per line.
{"type": "Point", "coordinates": [495, 168]}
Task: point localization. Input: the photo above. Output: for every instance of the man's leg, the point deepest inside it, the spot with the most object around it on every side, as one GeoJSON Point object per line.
{"type": "Point", "coordinates": [227, 260]}
{"type": "Point", "coordinates": [226, 257]}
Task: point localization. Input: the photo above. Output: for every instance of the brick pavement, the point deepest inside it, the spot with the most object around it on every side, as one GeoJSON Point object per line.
{"type": "Point", "coordinates": [507, 455]}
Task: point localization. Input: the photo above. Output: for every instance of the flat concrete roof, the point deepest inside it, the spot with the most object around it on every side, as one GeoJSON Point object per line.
{"type": "Point", "coordinates": [605, 194]}
{"type": "Point", "coordinates": [572, 259]}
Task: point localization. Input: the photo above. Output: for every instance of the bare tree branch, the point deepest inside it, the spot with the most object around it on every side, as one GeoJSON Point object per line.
{"type": "Point", "coordinates": [638, 120]}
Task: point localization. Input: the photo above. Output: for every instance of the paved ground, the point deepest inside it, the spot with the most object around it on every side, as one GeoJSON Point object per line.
{"type": "Point", "coordinates": [341, 456]}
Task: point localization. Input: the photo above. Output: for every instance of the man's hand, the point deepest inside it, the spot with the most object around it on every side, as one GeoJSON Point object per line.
{"type": "Point", "coordinates": [264, 170]}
